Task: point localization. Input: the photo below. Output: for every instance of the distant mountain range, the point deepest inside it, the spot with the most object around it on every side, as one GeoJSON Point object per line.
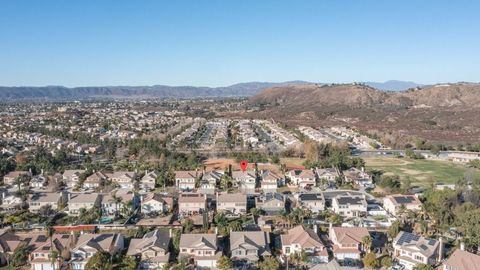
{"type": "Point", "coordinates": [59, 93]}
{"type": "Point", "coordinates": [134, 92]}
{"type": "Point", "coordinates": [393, 85]}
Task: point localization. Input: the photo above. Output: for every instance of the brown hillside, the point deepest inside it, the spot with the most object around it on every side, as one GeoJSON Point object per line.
{"type": "Point", "coordinates": [441, 113]}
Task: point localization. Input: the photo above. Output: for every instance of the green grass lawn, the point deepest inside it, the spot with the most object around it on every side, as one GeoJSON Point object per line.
{"type": "Point", "coordinates": [419, 170]}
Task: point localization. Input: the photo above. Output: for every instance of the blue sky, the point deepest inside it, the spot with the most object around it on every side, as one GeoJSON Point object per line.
{"type": "Point", "coordinates": [215, 43]}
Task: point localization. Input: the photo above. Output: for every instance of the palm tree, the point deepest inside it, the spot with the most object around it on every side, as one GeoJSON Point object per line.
{"type": "Point", "coordinates": [367, 242]}
{"type": "Point", "coordinates": [50, 233]}
{"type": "Point", "coordinates": [116, 200]}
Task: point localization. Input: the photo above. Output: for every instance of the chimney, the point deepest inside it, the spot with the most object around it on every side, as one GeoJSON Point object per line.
{"type": "Point", "coordinates": [315, 228]}
{"type": "Point", "coordinates": [170, 232]}
{"type": "Point", "coordinates": [216, 230]}
{"type": "Point", "coordinates": [462, 246]}
{"type": "Point", "coordinates": [330, 226]}
{"type": "Point", "coordinates": [440, 250]}
{"type": "Point", "coordinates": [69, 196]}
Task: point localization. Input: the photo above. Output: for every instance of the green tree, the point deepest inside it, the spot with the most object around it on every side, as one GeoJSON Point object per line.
{"type": "Point", "coordinates": [20, 255]}
{"type": "Point", "coordinates": [370, 261]}
{"type": "Point", "coordinates": [128, 263]}
{"type": "Point", "coordinates": [99, 261]}
{"type": "Point", "coordinates": [268, 263]}
{"type": "Point", "coordinates": [224, 263]}
{"type": "Point", "coordinates": [394, 229]}
{"type": "Point", "coordinates": [187, 226]}
{"type": "Point", "coordinates": [367, 242]}
{"type": "Point", "coordinates": [386, 262]}
{"type": "Point", "coordinates": [423, 267]}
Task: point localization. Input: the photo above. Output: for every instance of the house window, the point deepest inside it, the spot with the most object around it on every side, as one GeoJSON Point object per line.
{"type": "Point", "coordinates": [287, 250]}
{"type": "Point", "coordinates": [418, 258]}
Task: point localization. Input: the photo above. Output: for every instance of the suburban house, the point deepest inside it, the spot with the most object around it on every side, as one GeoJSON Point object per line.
{"type": "Point", "coordinates": [89, 244]}
{"type": "Point", "coordinates": [246, 180]}
{"type": "Point", "coordinates": [83, 200]}
{"type": "Point", "coordinates": [347, 242]}
{"type": "Point", "coordinates": [38, 200]}
{"type": "Point", "coordinates": [95, 180]}
{"type": "Point", "coordinates": [40, 257]}
{"type": "Point", "coordinates": [271, 203]}
{"type": "Point", "coordinates": [302, 178]}
{"type": "Point", "coordinates": [202, 249]}
{"type": "Point", "coordinates": [461, 260]}
{"type": "Point", "coordinates": [270, 181]}
{"type": "Point", "coordinates": [358, 177]}
{"type": "Point", "coordinates": [10, 202]}
{"type": "Point", "coordinates": [155, 203]}
{"type": "Point", "coordinates": [8, 243]}
{"type": "Point", "coordinates": [118, 201]}
{"type": "Point", "coordinates": [38, 181]}
{"type": "Point", "coordinates": [191, 203]}
{"type": "Point", "coordinates": [72, 177]}
{"type": "Point", "coordinates": [394, 203]}
{"type": "Point", "coordinates": [152, 249]}
{"type": "Point", "coordinates": [350, 205]}
{"type": "Point", "coordinates": [209, 181]}
{"type": "Point", "coordinates": [10, 177]}
{"type": "Point", "coordinates": [235, 203]}
{"type": "Point", "coordinates": [123, 179]}
{"type": "Point", "coordinates": [327, 176]}
{"type": "Point", "coordinates": [301, 238]}
{"type": "Point", "coordinates": [249, 246]}
{"type": "Point", "coordinates": [411, 250]}
{"type": "Point", "coordinates": [312, 201]}
{"type": "Point", "coordinates": [148, 180]}
{"type": "Point", "coordinates": [185, 180]}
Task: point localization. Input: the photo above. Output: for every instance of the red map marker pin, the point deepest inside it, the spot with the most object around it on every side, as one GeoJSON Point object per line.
{"type": "Point", "coordinates": [243, 165]}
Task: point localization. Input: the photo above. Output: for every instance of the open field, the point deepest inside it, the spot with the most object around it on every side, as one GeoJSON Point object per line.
{"type": "Point", "coordinates": [419, 170]}
{"type": "Point", "coordinates": [293, 162]}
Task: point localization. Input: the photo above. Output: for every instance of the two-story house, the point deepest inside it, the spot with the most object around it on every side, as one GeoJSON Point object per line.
{"type": "Point", "coordinates": [118, 201]}
{"type": "Point", "coordinates": [411, 250]}
{"type": "Point", "coordinates": [156, 203]}
{"type": "Point", "coordinates": [271, 203]}
{"type": "Point", "coordinates": [461, 260]}
{"type": "Point", "coordinates": [350, 205]}
{"type": "Point", "coordinates": [302, 238]}
{"type": "Point", "coordinates": [83, 200]}
{"type": "Point", "coordinates": [397, 202]}
{"type": "Point", "coordinates": [315, 202]}
{"type": "Point", "coordinates": [123, 179]}
{"type": "Point", "coordinates": [302, 178]}
{"type": "Point", "coordinates": [270, 181]}
{"type": "Point", "coordinates": [201, 248]}
{"type": "Point", "coordinates": [347, 242]}
{"type": "Point", "coordinates": [148, 181]}
{"type": "Point", "coordinates": [185, 180]}
{"type": "Point", "coordinates": [246, 180]}
{"type": "Point", "coordinates": [209, 181]}
{"type": "Point", "coordinates": [72, 177]}
{"type": "Point", "coordinates": [153, 250]}
{"type": "Point", "coordinates": [95, 180]}
{"type": "Point", "coordinates": [38, 200]}
{"type": "Point", "coordinates": [249, 246]}
{"type": "Point", "coordinates": [10, 177]}
{"type": "Point", "coordinates": [358, 177]}
{"type": "Point", "coordinates": [235, 203]}
{"type": "Point", "coordinates": [327, 177]}
{"type": "Point", "coordinates": [41, 256]}
{"type": "Point", "coordinates": [191, 203]}
{"type": "Point", "coordinates": [89, 244]}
